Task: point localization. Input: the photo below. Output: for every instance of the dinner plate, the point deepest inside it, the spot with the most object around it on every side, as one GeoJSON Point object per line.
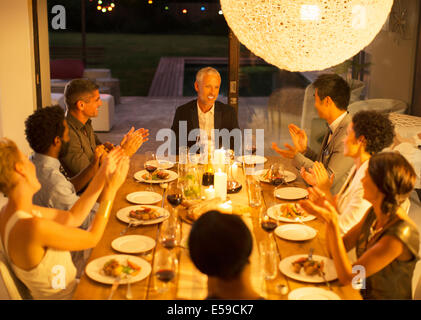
{"type": "Point", "coordinates": [275, 213]}
{"type": "Point", "coordinates": [123, 215]}
{"type": "Point", "coordinates": [288, 175]}
{"type": "Point", "coordinates": [285, 266]}
{"type": "Point", "coordinates": [291, 193]}
{"type": "Point", "coordinates": [251, 159]}
{"type": "Point", "coordinates": [133, 244]}
{"type": "Point", "coordinates": [144, 197]}
{"type": "Point", "coordinates": [161, 164]}
{"type": "Point", "coordinates": [172, 176]}
{"type": "Point", "coordinates": [295, 232]}
{"type": "Point", "coordinates": [94, 269]}
{"type": "Point", "coordinates": [312, 293]}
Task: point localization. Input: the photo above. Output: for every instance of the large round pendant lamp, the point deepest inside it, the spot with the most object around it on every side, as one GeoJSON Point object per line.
{"type": "Point", "coordinates": [305, 35]}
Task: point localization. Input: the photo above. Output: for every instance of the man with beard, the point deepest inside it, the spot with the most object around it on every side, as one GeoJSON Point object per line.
{"type": "Point", "coordinates": [47, 133]}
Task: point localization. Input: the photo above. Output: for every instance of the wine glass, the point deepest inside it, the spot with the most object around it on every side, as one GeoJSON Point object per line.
{"type": "Point", "coordinates": [175, 195]}
{"type": "Point", "coordinates": [150, 165]}
{"type": "Point", "coordinates": [170, 233]}
{"type": "Point", "coordinates": [254, 191]}
{"type": "Point", "coordinates": [165, 267]}
{"type": "Point", "coordinates": [266, 222]}
{"type": "Point", "coordinates": [277, 174]}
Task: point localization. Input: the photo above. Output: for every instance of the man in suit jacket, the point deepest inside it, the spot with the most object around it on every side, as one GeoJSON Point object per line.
{"type": "Point", "coordinates": [331, 101]}
{"type": "Point", "coordinates": [204, 113]}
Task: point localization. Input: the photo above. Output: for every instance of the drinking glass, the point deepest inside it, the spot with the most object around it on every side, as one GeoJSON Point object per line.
{"type": "Point", "coordinates": [150, 165]}
{"type": "Point", "coordinates": [170, 233]}
{"type": "Point", "coordinates": [165, 264]}
{"type": "Point", "coordinates": [174, 195]}
{"type": "Point", "coordinates": [267, 223]}
{"type": "Point", "coordinates": [254, 191]}
{"type": "Point", "coordinates": [268, 260]}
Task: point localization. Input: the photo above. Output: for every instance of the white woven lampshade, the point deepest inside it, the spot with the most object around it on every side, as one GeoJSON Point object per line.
{"type": "Point", "coordinates": [305, 35]}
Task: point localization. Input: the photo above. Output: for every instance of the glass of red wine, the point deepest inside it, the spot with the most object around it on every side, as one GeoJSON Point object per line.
{"type": "Point", "coordinates": [175, 195]}
{"type": "Point", "coordinates": [266, 222]}
{"type": "Point", "coordinates": [150, 165]}
{"type": "Point", "coordinates": [165, 265]}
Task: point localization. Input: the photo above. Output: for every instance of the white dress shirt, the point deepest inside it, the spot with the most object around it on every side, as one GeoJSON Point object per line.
{"type": "Point", "coordinates": [206, 125]}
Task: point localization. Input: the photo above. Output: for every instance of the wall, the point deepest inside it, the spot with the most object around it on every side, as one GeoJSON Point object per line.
{"type": "Point", "coordinates": [393, 59]}
{"type": "Point", "coordinates": [17, 82]}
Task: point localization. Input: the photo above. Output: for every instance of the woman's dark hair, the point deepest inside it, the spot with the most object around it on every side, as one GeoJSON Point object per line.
{"type": "Point", "coordinates": [43, 126]}
{"type": "Point", "coordinates": [377, 129]}
{"type": "Point", "coordinates": [394, 177]}
{"type": "Point", "coordinates": [220, 244]}
{"type": "Point", "coordinates": [335, 87]}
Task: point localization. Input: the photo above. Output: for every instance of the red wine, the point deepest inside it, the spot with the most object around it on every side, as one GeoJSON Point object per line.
{"type": "Point", "coordinates": [165, 275]}
{"type": "Point", "coordinates": [169, 243]}
{"type": "Point", "coordinates": [150, 168]}
{"type": "Point", "coordinates": [269, 225]}
{"type": "Point", "coordinates": [175, 199]}
{"type": "Point", "coordinates": [207, 179]}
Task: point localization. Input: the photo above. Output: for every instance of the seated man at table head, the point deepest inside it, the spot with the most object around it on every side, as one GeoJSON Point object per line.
{"type": "Point", "coordinates": [82, 100]}
{"type": "Point", "coordinates": [220, 246]}
{"type": "Point", "coordinates": [204, 113]}
{"type": "Point", "coordinates": [332, 95]}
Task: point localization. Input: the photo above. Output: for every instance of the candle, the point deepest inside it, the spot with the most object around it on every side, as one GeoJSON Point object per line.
{"type": "Point", "coordinates": [221, 185]}
{"type": "Point", "coordinates": [209, 193]}
{"type": "Point", "coordinates": [219, 159]}
{"type": "Point", "coordinates": [234, 171]}
{"type": "Point", "coordinates": [226, 207]}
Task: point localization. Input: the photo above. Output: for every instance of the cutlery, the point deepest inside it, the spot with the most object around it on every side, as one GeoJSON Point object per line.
{"type": "Point", "coordinates": [114, 287]}
{"type": "Point", "coordinates": [310, 254]}
{"type": "Point", "coordinates": [129, 289]}
{"type": "Point", "coordinates": [322, 273]}
{"type": "Point", "coordinates": [131, 221]}
{"type": "Point", "coordinates": [163, 186]}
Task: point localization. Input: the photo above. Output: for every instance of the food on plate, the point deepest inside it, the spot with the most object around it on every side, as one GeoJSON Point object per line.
{"type": "Point", "coordinates": [195, 208]}
{"type": "Point", "coordinates": [310, 267]}
{"type": "Point", "coordinates": [144, 213]}
{"type": "Point", "coordinates": [157, 175]}
{"type": "Point", "coordinates": [113, 268]}
{"type": "Point", "coordinates": [291, 211]}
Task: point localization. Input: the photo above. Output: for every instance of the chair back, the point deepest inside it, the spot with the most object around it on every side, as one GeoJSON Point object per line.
{"type": "Point", "coordinates": [9, 287]}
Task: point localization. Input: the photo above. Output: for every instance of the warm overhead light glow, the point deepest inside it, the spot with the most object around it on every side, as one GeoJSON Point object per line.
{"type": "Point", "coordinates": [110, 8]}
{"type": "Point", "coordinates": [184, 11]}
{"type": "Point", "coordinates": [112, 5]}
{"type": "Point", "coordinates": [305, 35]}
{"type": "Point", "coordinates": [99, 1]}
{"type": "Point", "coordinates": [166, 8]}
{"type": "Point", "coordinates": [220, 12]}
{"type": "Point", "coordinates": [99, 7]}
{"type": "Point", "coordinates": [150, 1]}
{"type": "Point", "coordinates": [104, 10]}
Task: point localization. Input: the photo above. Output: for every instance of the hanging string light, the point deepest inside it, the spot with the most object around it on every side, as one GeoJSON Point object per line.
{"type": "Point", "coordinates": [305, 35]}
{"type": "Point", "coordinates": [105, 6]}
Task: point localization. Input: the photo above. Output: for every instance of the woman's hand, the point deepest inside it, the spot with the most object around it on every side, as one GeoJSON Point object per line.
{"type": "Point", "coordinates": [319, 206]}
{"type": "Point", "coordinates": [323, 181]}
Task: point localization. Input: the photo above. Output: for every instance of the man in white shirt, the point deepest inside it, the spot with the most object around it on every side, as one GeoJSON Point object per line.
{"type": "Point", "coordinates": [204, 113]}
{"type": "Point", "coordinates": [331, 101]}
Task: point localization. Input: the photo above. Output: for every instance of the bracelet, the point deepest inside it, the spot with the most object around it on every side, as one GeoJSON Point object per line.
{"type": "Point", "coordinates": [108, 205]}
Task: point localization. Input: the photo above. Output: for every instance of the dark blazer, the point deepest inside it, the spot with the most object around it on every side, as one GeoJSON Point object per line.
{"type": "Point", "coordinates": [225, 118]}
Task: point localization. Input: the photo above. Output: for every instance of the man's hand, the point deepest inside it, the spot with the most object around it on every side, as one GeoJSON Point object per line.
{"type": "Point", "coordinates": [133, 140]}
{"type": "Point", "coordinates": [299, 137]}
{"type": "Point", "coordinates": [100, 153]}
{"type": "Point", "coordinates": [289, 154]}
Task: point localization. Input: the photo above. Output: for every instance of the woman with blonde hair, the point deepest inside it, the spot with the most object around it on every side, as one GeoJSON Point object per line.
{"type": "Point", "coordinates": [36, 240]}
{"type": "Point", "coordinates": [386, 240]}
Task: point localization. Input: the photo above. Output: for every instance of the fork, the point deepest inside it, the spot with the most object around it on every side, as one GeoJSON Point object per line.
{"type": "Point", "coordinates": [131, 221]}
{"type": "Point", "coordinates": [114, 287]}
{"type": "Point", "coordinates": [129, 289]}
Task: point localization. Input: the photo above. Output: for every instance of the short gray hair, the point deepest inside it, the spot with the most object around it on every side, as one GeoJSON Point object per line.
{"type": "Point", "coordinates": [204, 71]}
{"type": "Point", "coordinates": [76, 89]}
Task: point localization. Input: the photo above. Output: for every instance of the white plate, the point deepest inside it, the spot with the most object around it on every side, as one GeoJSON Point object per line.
{"type": "Point", "coordinates": [275, 213]}
{"type": "Point", "coordinates": [289, 176]}
{"type": "Point", "coordinates": [312, 293]}
{"type": "Point", "coordinates": [123, 214]}
{"type": "Point", "coordinates": [94, 268]}
{"type": "Point", "coordinates": [291, 193]}
{"type": "Point", "coordinates": [144, 197]}
{"type": "Point", "coordinates": [329, 268]}
{"type": "Point", "coordinates": [251, 159]}
{"type": "Point", "coordinates": [172, 176]}
{"type": "Point", "coordinates": [295, 232]}
{"type": "Point", "coordinates": [161, 163]}
{"type": "Point", "coordinates": [133, 244]}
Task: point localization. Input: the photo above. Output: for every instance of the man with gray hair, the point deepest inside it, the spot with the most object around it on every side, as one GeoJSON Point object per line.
{"type": "Point", "coordinates": [82, 101]}
{"type": "Point", "coordinates": [204, 113]}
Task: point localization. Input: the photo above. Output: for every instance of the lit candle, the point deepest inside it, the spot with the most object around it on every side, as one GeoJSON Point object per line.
{"type": "Point", "coordinates": [226, 207]}
{"type": "Point", "coordinates": [209, 193]}
{"type": "Point", "coordinates": [234, 171]}
{"type": "Point", "coordinates": [221, 185]}
{"type": "Point", "coordinates": [219, 159]}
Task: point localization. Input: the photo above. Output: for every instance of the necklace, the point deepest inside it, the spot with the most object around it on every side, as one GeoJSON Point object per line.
{"type": "Point", "coordinates": [374, 231]}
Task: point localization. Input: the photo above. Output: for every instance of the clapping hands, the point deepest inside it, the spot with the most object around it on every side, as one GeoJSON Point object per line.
{"type": "Point", "coordinates": [299, 139]}
{"type": "Point", "coordinates": [133, 140]}
{"type": "Point", "coordinates": [319, 206]}
{"type": "Point", "coordinates": [116, 165]}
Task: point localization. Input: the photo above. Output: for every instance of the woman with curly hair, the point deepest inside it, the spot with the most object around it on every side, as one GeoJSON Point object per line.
{"type": "Point", "coordinates": [386, 240]}
{"type": "Point", "coordinates": [37, 241]}
{"type": "Point", "coordinates": [368, 133]}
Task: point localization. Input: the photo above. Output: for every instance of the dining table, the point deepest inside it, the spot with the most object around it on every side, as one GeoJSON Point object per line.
{"type": "Point", "coordinates": [189, 283]}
